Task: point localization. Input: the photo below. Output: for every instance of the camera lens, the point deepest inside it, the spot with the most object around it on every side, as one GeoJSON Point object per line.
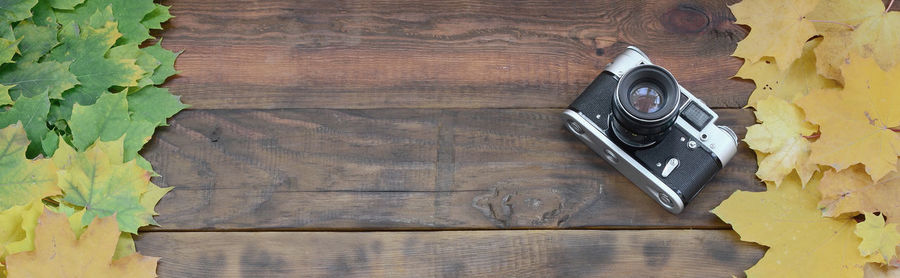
{"type": "Point", "coordinates": [645, 98]}
{"type": "Point", "coordinates": [645, 105]}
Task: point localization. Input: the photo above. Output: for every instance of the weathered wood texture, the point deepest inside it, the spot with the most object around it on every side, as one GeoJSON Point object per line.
{"type": "Point", "coordinates": [439, 54]}
{"type": "Point", "coordinates": [391, 121]}
{"type": "Point", "coordinates": [406, 169]}
{"type": "Point", "coordinates": [658, 253]}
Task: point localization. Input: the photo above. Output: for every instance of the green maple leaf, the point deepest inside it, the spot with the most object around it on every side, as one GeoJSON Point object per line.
{"type": "Point", "coordinates": [99, 182]}
{"type": "Point", "coordinates": [87, 51]}
{"type": "Point", "coordinates": [64, 4]}
{"type": "Point", "coordinates": [129, 13]}
{"type": "Point", "coordinates": [155, 18]}
{"type": "Point", "coordinates": [31, 112]}
{"type": "Point", "coordinates": [32, 79]}
{"type": "Point", "coordinates": [4, 95]}
{"type": "Point", "coordinates": [49, 143]}
{"type": "Point", "coordinates": [124, 247]}
{"type": "Point", "coordinates": [154, 105]}
{"type": "Point", "coordinates": [141, 161]}
{"type": "Point", "coordinates": [44, 15]}
{"type": "Point", "coordinates": [137, 134]}
{"type": "Point", "coordinates": [8, 48]}
{"type": "Point", "coordinates": [144, 60]}
{"type": "Point", "coordinates": [22, 180]}
{"type": "Point", "coordinates": [61, 64]}
{"type": "Point", "coordinates": [150, 198]}
{"type": "Point", "coordinates": [107, 120]}
{"type": "Point", "coordinates": [61, 111]}
{"type": "Point", "coordinates": [6, 31]}
{"type": "Point", "coordinates": [36, 41]}
{"type": "Point", "coordinates": [15, 10]}
{"type": "Point", "coordinates": [167, 62]}
{"type": "Point", "coordinates": [99, 18]}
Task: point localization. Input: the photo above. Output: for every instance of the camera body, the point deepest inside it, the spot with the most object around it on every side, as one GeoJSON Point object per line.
{"type": "Point", "coordinates": [652, 130]}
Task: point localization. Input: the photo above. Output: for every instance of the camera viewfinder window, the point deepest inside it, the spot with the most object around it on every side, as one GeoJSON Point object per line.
{"type": "Point", "coordinates": [696, 116]}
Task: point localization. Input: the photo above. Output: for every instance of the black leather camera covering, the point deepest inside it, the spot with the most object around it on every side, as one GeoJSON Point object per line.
{"type": "Point", "coordinates": [597, 99]}
{"type": "Point", "coordinates": [696, 166]}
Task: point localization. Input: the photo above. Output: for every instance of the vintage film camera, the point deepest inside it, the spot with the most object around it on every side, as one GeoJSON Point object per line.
{"type": "Point", "coordinates": [656, 133]}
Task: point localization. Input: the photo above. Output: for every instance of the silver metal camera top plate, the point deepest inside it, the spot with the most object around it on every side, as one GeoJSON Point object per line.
{"type": "Point", "coordinates": [632, 57]}
{"type": "Point", "coordinates": [720, 142]}
{"type": "Point", "coordinates": [645, 180]}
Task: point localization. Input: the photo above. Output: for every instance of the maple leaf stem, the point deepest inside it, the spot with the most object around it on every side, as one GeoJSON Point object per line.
{"type": "Point", "coordinates": [889, 6]}
{"type": "Point", "coordinates": [51, 201]}
{"type": "Point", "coordinates": [894, 129]}
{"type": "Point", "coordinates": [813, 136]}
{"type": "Point", "coordinates": [834, 22]}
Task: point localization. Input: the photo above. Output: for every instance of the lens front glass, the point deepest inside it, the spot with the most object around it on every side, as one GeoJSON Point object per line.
{"type": "Point", "coordinates": [646, 99]}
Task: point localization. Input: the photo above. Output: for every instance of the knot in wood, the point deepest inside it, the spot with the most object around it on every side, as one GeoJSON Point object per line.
{"type": "Point", "coordinates": [685, 19]}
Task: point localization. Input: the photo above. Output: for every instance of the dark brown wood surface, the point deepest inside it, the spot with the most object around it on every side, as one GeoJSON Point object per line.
{"type": "Point", "coordinates": [406, 138]}
{"type": "Point", "coordinates": [407, 169]}
{"type": "Point", "coordinates": [440, 54]}
{"type": "Point", "coordinates": [548, 253]}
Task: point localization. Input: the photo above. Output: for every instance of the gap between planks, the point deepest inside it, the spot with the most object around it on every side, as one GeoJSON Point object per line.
{"type": "Point", "coordinates": [405, 169]}
{"type": "Point", "coordinates": [379, 230]}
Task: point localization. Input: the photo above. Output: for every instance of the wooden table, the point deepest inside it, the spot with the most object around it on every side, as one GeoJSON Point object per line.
{"type": "Point", "coordinates": [413, 138]}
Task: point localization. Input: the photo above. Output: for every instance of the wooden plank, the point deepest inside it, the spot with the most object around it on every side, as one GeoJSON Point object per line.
{"type": "Point", "coordinates": [536, 253]}
{"type": "Point", "coordinates": [312, 169]}
{"type": "Point", "coordinates": [439, 54]}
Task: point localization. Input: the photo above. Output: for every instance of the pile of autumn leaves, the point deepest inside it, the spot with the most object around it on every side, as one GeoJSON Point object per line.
{"type": "Point", "coordinates": [77, 102]}
{"type": "Point", "coordinates": [828, 90]}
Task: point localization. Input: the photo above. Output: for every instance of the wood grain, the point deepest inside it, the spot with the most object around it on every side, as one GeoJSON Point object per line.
{"type": "Point", "coordinates": [314, 169]}
{"type": "Point", "coordinates": [584, 253]}
{"type": "Point", "coordinates": [439, 54]}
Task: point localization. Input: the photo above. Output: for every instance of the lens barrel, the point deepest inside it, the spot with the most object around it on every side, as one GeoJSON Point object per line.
{"type": "Point", "coordinates": [645, 105]}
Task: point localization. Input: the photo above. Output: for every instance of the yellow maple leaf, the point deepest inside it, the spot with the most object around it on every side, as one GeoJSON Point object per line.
{"type": "Point", "coordinates": [780, 136]}
{"type": "Point", "coordinates": [65, 155]}
{"type": "Point", "coordinates": [98, 182]}
{"type": "Point", "coordinates": [125, 245]}
{"type": "Point", "coordinates": [58, 253]}
{"type": "Point", "coordinates": [835, 20]}
{"type": "Point", "coordinates": [778, 29]}
{"type": "Point", "coordinates": [875, 270]}
{"type": "Point", "coordinates": [796, 81]}
{"type": "Point", "coordinates": [877, 237]}
{"type": "Point", "coordinates": [852, 191]}
{"type": "Point", "coordinates": [802, 242]}
{"type": "Point", "coordinates": [859, 26]}
{"type": "Point", "coordinates": [17, 229]}
{"type": "Point", "coordinates": [855, 122]}
{"type": "Point", "coordinates": [830, 15]}
{"type": "Point", "coordinates": [878, 37]}
{"type": "Point", "coordinates": [22, 180]}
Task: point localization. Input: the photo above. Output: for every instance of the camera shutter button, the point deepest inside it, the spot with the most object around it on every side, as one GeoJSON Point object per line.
{"type": "Point", "coordinates": [670, 166]}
